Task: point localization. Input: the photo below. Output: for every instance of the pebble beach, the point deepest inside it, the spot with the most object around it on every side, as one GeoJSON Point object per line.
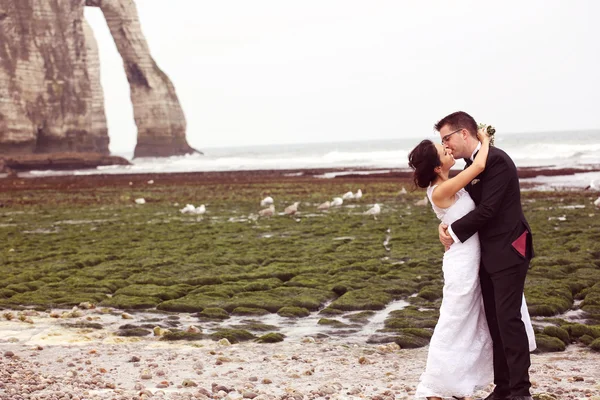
{"type": "Point", "coordinates": [44, 358]}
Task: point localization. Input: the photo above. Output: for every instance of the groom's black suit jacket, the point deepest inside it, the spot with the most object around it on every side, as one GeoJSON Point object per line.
{"type": "Point", "coordinates": [498, 216]}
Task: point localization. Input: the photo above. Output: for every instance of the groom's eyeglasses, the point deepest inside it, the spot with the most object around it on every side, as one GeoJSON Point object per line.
{"type": "Point", "coordinates": [447, 137]}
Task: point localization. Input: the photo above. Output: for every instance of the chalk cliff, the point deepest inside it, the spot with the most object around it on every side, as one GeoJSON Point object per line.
{"type": "Point", "coordinates": [158, 114]}
{"type": "Point", "coordinates": [46, 92]}
{"type": "Point", "coordinates": [51, 100]}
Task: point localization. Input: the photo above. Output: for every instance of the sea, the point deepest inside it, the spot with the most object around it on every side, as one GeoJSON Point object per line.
{"type": "Point", "coordinates": [560, 149]}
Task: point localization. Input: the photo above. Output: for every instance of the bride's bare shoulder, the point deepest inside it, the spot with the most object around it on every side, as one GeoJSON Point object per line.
{"type": "Point", "coordinates": [440, 201]}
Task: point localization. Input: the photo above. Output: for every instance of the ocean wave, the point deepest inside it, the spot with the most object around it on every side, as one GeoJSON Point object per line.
{"type": "Point", "coordinates": [526, 150]}
{"type": "Point", "coordinates": [538, 151]}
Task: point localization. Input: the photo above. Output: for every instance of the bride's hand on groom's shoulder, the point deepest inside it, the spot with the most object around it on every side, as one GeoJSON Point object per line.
{"type": "Point", "coordinates": [445, 237]}
{"type": "Point", "coordinates": [482, 134]}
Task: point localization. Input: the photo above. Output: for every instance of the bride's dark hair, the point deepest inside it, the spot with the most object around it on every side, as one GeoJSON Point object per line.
{"type": "Point", "coordinates": [423, 159]}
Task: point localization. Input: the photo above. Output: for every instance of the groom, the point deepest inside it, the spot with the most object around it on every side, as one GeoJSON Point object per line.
{"type": "Point", "coordinates": [506, 249]}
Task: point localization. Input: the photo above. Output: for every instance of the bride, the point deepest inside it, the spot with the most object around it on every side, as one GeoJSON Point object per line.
{"type": "Point", "coordinates": [459, 361]}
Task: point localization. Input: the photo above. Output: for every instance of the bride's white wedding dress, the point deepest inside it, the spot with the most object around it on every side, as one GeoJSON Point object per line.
{"type": "Point", "coordinates": [459, 361]}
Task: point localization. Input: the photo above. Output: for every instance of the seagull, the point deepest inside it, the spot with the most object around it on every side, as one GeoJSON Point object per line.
{"type": "Point", "coordinates": [403, 191]}
{"type": "Point", "coordinates": [324, 206]}
{"type": "Point", "coordinates": [358, 194]}
{"type": "Point", "coordinates": [375, 210]}
{"type": "Point", "coordinates": [267, 212]}
{"type": "Point", "coordinates": [593, 186]}
{"type": "Point", "coordinates": [150, 182]}
{"type": "Point", "coordinates": [141, 200]}
{"type": "Point", "coordinates": [423, 202]}
{"type": "Point", "coordinates": [597, 202]}
{"type": "Point", "coordinates": [348, 196]}
{"type": "Point", "coordinates": [190, 209]}
{"type": "Point", "coordinates": [266, 201]}
{"type": "Point", "coordinates": [291, 210]}
{"type": "Point", "coordinates": [337, 201]}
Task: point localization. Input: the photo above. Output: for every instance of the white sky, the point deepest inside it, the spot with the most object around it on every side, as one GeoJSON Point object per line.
{"type": "Point", "coordinates": [267, 72]}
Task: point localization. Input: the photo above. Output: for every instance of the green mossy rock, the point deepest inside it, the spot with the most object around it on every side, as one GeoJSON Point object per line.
{"type": "Point", "coordinates": [150, 290]}
{"type": "Point", "coordinates": [547, 344]}
{"type": "Point", "coordinates": [412, 317]}
{"type": "Point", "coordinates": [578, 330]}
{"type": "Point", "coordinates": [293, 312]}
{"type": "Point", "coordinates": [24, 287]}
{"type": "Point", "coordinates": [360, 317]}
{"type": "Point", "coordinates": [182, 335]}
{"type": "Point", "coordinates": [54, 297]}
{"type": "Point", "coordinates": [419, 332]}
{"type": "Point", "coordinates": [546, 297]}
{"type": "Point", "coordinates": [214, 313]}
{"type": "Point", "coordinates": [251, 312]}
{"type": "Point", "coordinates": [430, 293]}
{"type": "Point", "coordinates": [332, 322]}
{"type": "Point", "coordinates": [593, 310]}
{"type": "Point", "coordinates": [130, 302]}
{"type": "Point", "coordinates": [271, 338]}
{"type": "Point", "coordinates": [270, 300]}
{"type": "Point", "coordinates": [233, 335]}
{"type": "Point", "coordinates": [541, 310]}
{"type": "Point", "coordinates": [408, 341]}
{"type": "Point", "coordinates": [362, 299]}
{"type": "Point", "coordinates": [398, 323]}
{"type": "Point", "coordinates": [586, 339]}
{"type": "Point", "coordinates": [309, 280]}
{"type": "Point", "coordinates": [595, 345]}
{"type": "Point", "coordinates": [84, 325]}
{"type": "Point", "coordinates": [339, 289]}
{"type": "Point", "coordinates": [557, 332]}
{"type": "Point", "coordinates": [193, 302]}
{"type": "Point", "coordinates": [73, 251]}
{"type": "Point", "coordinates": [261, 284]}
{"type": "Point", "coordinates": [331, 311]}
{"type": "Point", "coordinates": [6, 293]}
{"type": "Point", "coordinates": [133, 332]}
{"type": "Point", "coordinates": [255, 326]}
{"type": "Point", "coordinates": [592, 298]}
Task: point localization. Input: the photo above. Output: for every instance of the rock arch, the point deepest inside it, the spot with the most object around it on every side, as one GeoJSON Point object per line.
{"type": "Point", "coordinates": [51, 99]}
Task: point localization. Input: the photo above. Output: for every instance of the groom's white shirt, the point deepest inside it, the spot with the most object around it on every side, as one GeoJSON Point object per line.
{"type": "Point", "coordinates": [456, 240]}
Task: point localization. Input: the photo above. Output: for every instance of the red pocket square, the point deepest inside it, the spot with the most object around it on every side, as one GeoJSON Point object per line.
{"type": "Point", "coordinates": [520, 244]}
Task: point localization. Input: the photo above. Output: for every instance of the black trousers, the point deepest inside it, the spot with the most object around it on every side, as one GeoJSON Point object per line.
{"type": "Point", "coordinates": [502, 294]}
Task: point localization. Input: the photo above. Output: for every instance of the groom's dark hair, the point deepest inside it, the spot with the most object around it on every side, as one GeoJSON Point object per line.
{"type": "Point", "coordinates": [458, 120]}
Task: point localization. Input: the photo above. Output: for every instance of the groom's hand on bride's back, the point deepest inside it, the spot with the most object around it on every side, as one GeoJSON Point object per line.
{"type": "Point", "coordinates": [445, 237]}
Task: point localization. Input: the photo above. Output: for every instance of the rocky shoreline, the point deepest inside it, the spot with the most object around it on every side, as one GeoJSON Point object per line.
{"type": "Point", "coordinates": [72, 239]}
{"type": "Point", "coordinates": [12, 165]}
{"type": "Point", "coordinates": [60, 362]}
{"type": "Point", "coordinates": [20, 180]}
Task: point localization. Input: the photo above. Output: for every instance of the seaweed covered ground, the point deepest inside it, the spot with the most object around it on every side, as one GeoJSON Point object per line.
{"type": "Point", "coordinates": [76, 239]}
